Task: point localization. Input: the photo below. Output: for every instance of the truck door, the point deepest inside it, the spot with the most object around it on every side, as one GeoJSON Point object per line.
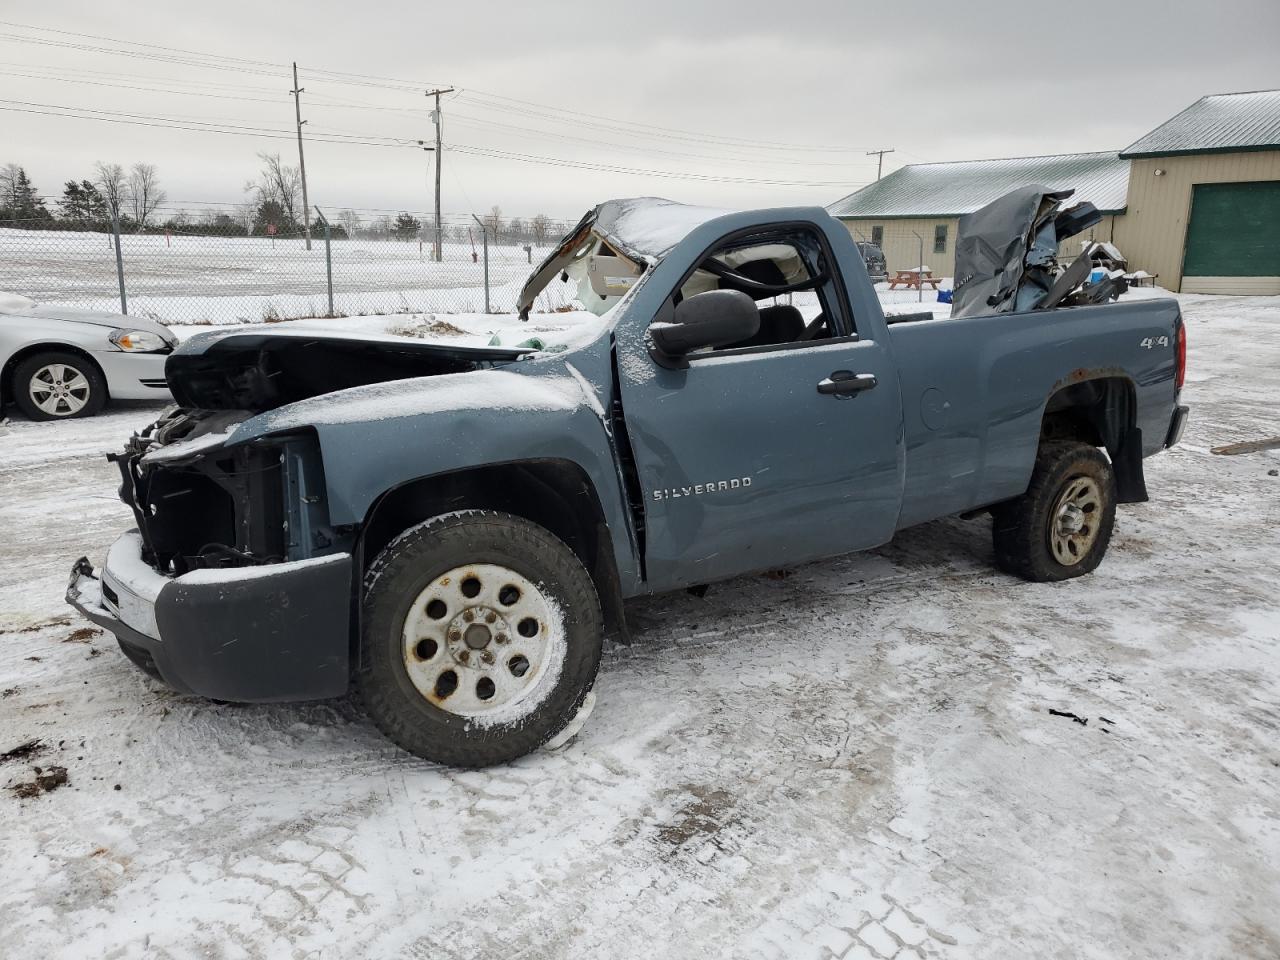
{"type": "Point", "coordinates": [777, 450]}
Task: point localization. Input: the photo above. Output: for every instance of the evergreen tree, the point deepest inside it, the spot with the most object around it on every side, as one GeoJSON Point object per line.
{"type": "Point", "coordinates": [406, 227]}
{"type": "Point", "coordinates": [274, 213]}
{"type": "Point", "coordinates": [20, 204]}
{"type": "Point", "coordinates": [82, 204]}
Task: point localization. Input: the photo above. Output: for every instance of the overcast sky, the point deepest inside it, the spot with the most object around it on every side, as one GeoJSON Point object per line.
{"type": "Point", "coordinates": [792, 94]}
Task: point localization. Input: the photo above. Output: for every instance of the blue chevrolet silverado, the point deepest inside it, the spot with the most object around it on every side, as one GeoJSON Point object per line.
{"type": "Point", "coordinates": [451, 531]}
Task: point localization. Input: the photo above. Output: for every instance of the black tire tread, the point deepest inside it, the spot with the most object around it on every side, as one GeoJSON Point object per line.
{"type": "Point", "coordinates": [1018, 527]}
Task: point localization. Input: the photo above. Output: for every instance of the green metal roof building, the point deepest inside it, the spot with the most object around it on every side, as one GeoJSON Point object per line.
{"type": "Point", "coordinates": [914, 212]}
{"type": "Point", "coordinates": [1204, 197]}
{"type": "Point", "coordinates": [1195, 201]}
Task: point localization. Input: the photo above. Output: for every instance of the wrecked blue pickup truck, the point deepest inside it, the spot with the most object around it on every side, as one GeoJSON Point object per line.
{"type": "Point", "coordinates": [452, 531]}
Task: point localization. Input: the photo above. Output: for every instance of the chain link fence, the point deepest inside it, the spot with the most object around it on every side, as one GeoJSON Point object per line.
{"type": "Point", "coordinates": [217, 274]}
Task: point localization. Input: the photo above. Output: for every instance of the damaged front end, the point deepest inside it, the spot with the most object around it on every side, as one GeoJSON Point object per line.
{"type": "Point", "coordinates": [235, 584]}
{"type": "Point", "coordinates": [205, 496]}
{"type": "Point", "coordinates": [200, 504]}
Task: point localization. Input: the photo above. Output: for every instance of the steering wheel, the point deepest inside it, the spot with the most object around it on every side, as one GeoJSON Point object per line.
{"type": "Point", "coordinates": [814, 326]}
{"type": "Point", "coordinates": [747, 285]}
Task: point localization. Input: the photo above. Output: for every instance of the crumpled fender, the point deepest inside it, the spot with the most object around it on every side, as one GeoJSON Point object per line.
{"type": "Point", "coordinates": [377, 437]}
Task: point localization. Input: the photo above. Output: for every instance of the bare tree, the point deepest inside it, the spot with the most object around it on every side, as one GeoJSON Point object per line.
{"type": "Point", "coordinates": [110, 180]}
{"type": "Point", "coordinates": [494, 221]}
{"type": "Point", "coordinates": [244, 214]}
{"type": "Point", "coordinates": [540, 227]}
{"type": "Point", "coordinates": [350, 221]}
{"type": "Point", "coordinates": [144, 192]}
{"type": "Point", "coordinates": [277, 182]}
{"type": "Point", "coordinates": [10, 193]}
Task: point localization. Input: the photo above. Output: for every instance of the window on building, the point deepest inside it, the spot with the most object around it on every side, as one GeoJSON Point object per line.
{"type": "Point", "coordinates": [940, 238]}
{"type": "Point", "coordinates": [877, 236]}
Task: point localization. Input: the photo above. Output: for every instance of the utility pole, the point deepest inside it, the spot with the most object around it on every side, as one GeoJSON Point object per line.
{"type": "Point", "coordinates": [879, 154]}
{"type": "Point", "coordinates": [302, 164]}
{"type": "Point", "coordinates": [437, 119]}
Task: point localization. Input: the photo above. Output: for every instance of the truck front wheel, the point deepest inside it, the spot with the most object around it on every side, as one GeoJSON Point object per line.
{"type": "Point", "coordinates": [1061, 526]}
{"type": "Point", "coordinates": [481, 638]}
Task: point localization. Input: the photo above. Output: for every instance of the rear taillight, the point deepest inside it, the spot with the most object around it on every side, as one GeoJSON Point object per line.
{"type": "Point", "coordinates": [1181, 374]}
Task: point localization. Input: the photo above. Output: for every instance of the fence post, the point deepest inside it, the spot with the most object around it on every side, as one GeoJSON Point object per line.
{"type": "Point", "coordinates": [920, 270]}
{"type": "Point", "coordinates": [115, 229]}
{"type": "Point", "coordinates": [328, 258]}
{"type": "Point", "coordinates": [484, 236]}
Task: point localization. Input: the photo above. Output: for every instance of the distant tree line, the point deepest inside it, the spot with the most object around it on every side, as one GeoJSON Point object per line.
{"type": "Point", "coordinates": [273, 208]}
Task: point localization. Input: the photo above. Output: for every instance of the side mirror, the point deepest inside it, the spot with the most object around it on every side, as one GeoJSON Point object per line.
{"type": "Point", "coordinates": [712, 319]}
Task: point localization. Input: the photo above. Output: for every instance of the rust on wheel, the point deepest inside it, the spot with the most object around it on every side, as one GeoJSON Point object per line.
{"type": "Point", "coordinates": [1075, 520]}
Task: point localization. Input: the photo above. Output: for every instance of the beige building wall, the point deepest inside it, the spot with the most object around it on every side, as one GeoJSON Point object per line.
{"type": "Point", "coordinates": [902, 248]}
{"type": "Point", "coordinates": [1153, 233]}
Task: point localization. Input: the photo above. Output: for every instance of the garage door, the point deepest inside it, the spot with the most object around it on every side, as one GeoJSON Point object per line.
{"type": "Point", "coordinates": [1233, 239]}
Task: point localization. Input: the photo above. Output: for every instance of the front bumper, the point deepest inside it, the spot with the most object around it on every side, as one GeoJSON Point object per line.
{"type": "Point", "coordinates": [248, 634]}
{"type": "Point", "coordinates": [134, 376]}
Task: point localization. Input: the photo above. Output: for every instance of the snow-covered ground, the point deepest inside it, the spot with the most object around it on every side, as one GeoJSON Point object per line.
{"type": "Point", "coordinates": [857, 759]}
{"type": "Point", "coordinates": [246, 279]}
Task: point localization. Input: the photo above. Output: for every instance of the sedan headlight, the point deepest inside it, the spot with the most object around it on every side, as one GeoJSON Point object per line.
{"type": "Point", "coordinates": [140, 341]}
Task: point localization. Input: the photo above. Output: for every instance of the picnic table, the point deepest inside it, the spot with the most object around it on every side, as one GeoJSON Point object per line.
{"type": "Point", "coordinates": [914, 279]}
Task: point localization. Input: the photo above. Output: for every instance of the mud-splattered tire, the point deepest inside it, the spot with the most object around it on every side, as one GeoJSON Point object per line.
{"type": "Point", "coordinates": [481, 638]}
{"type": "Point", "coordinates": [58, 385]}
{"type": "Point", "coordinates": [1061, 526]}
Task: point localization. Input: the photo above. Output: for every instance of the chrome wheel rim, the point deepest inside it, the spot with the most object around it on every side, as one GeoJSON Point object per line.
{"type": "Point", "coordinates": [484, 642]}
{"type": "Point", "coordinates": [1074, 523]}
{"type": "Point", "coordinates": [59, 390]}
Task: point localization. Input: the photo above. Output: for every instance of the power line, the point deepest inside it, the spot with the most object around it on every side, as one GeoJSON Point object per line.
{"type": "Point", "coordinates": [468, 120]}
{"type": "Point", "coordinates": [146, 120]}
{"type": "Point", "coordinates": [143, 120]}
{"type": "Point", "coordinates": [479, 97]}
{"type": "Point", "coordinates": [614, 168]}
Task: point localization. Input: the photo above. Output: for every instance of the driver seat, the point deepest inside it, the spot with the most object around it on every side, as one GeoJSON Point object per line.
{"type": "Point", "coordinates": [781, 323]}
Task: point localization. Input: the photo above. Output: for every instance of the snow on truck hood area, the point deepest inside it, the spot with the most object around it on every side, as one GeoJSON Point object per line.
{"type": "Point", "coordinates": [494, 389]}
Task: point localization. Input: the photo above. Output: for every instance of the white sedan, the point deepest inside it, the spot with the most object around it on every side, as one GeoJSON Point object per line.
{"type": "Point", "coordinates": [59, 362]}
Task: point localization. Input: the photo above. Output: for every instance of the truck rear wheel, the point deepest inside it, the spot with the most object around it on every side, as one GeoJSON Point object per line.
{"type": "Point", "coordinates": [481, 638]}
{"type": "Point", "coordinates": [1061, 526]}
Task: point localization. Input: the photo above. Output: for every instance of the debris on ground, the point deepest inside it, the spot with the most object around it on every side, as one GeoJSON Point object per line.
{"type": "Point", "coordinates": [1247, 446]}
{"type": "Point", "coordinates": [45, 781]}
{"type": "Point", "coordinates": [37, 627]}
{"type": "Point", "coordinates": [23, 750]}
{"type": "Point", "coordinates": [1083, 721]}
{"type": "Point", "coordinates": [428, 328]}
{"type": "Point", "coordinates": [83, 635]}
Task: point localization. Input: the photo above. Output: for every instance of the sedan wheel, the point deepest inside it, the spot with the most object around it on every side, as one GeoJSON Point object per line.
{"type": "Point", "coordinates": [58, 386]}
{"type": "Point", "coordinates": [59, 390]}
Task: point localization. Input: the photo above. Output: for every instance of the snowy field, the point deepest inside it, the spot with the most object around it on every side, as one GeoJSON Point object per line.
{"type": "Point", "coordinates": [187, 279]}
{"type": "Point", "coordinates": [856, 759]}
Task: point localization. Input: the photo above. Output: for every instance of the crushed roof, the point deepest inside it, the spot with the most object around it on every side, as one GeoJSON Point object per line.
{"type": "Point", "coordinates": [1220, 123]}
{"type": "Point", "coordinates": [960, 187]}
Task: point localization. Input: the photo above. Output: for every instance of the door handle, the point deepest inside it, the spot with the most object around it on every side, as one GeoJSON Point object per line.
{"type": "Point", "coordinates": [845, 383]}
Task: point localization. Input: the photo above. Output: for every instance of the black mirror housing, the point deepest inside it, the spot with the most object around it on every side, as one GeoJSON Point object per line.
{"type": "Point", "coordinates": [711, 319]}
